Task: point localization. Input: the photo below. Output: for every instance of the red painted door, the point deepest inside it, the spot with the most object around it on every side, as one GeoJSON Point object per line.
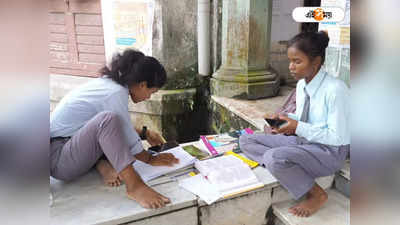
{"type": "Point", "coordinates": [76, 43]}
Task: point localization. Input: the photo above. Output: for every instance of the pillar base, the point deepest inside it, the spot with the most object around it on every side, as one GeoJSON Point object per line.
{"type": "Point", "coordinates": [249, 85]}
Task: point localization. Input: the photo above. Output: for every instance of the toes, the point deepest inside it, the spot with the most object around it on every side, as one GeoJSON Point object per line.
{"type": "Point", "coordinates": [296, 211]}
{"type": "Point", "coordinates": [155, 205]}
{"type": "Point", "coordinates": [114, 183]}
{"type": "Point", "coordinates": [165, 199]}
{"type": "Point", "coordinates": [299, 213]}
{"type": "Point", "coordinates": [147, 205]}
{"type": "Point", "coordinates": [160, 203]}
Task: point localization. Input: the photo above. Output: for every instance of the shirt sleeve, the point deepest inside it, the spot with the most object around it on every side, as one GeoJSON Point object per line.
{"type": "Point", "coordinates": [334, 132]}
{"type": "Point", "coordinates": [292, 116]}
{"type": "Point", "coordinates": [118, 103]}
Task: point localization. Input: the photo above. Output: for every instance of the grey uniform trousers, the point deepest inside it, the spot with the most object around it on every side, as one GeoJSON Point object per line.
{"type": "Point", "coordinates": [75, 156]}
{"type": "Point", "coordinates": [293, 160]}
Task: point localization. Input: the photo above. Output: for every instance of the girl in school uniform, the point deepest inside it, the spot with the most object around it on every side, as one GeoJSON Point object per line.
{"type": "Point", "coordinates": [315, 140]}
{"type": "Point", "coordinates": [91, 127]}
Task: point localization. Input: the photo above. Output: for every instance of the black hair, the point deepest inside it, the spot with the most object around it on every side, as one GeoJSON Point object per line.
{"type": "Point", "coordinates": [313, 44]}
{"type": "Point", "coordinates": [132, 67]}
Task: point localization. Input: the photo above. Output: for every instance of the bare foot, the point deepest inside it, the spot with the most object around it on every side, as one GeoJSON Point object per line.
{"type": "Point", "coordinates": [109, 174]}
{"type": "Point", "coordinates": [316, 197]}
{"type": "Point", "coordinates": [148, 198]}
{"type": "Point", "coordinates": [140, 192]}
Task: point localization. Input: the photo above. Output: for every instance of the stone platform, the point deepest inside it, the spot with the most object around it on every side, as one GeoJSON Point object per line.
{"type": "Point", "coordinates": [88, 201]}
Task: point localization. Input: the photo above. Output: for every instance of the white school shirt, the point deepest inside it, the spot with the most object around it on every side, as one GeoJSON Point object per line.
{"type": "Point", "coordinates": [83, 103]}
{"type": "Point", "coordinates": [329, 116]}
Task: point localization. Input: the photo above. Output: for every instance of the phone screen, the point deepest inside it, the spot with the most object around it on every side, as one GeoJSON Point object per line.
{"type": "Point", "coordinates": [275, 122]}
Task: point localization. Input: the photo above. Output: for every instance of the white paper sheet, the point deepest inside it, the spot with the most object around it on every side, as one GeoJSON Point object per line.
{"type": "Point", "coordinates": [199, 186]}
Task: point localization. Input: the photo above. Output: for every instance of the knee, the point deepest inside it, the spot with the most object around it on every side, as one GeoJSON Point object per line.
{"type": "Point", "coordinates": [275, 165]}
{"type": "Point", "coordinates": [243, 141]}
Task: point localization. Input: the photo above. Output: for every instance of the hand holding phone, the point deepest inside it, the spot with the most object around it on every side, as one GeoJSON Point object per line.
{"type": "Point", "coordinates": [276, 123]}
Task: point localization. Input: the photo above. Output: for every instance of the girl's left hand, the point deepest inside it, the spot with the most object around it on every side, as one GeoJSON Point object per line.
{"type": "Point", "coordinates": [289, 128]}
{"type": "Point", "coordinates": [154, 138]}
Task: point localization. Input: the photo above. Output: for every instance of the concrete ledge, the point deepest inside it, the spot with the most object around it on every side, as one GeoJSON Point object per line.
{"type": "Point", "coordinates": [186, 216]}
{"type": "Point", "coordinates": [252, 111]}
{"type": "Point", "coordinates": [343, 180]}
{"type": "Point", "coordinates": [345, 172]}
{"type": "Point", "coordinates": [250, 209]}
{"type": "Point", "coordinates": [280, 194]}
{"type": "Point", "coordinates": [88, 201]}
{"type": "Point", "coordinates": [335, 212]}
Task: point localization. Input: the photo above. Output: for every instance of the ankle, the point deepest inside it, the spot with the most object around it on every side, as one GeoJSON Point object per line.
{"type": "Point", "coordinates": [100, 165]}
{"type": "Point", "coordinates": [317, 191]}
{"type": "Point", "coordinates": [135, 186]}
{"type": "Point", "coordinates": [131, 179]}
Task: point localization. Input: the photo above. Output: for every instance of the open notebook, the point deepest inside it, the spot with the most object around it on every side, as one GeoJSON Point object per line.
{"type": "Point", "coordinates": [229, 174]}
{"type": "Point", "coordinates": [148, 172]}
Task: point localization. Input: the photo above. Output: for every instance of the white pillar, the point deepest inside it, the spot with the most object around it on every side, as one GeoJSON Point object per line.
{"type": "Point", "coordinates": [203, 36]}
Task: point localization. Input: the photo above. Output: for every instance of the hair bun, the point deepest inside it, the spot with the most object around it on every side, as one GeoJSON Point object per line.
{"type": "Point", "coordinates": [323, 38]}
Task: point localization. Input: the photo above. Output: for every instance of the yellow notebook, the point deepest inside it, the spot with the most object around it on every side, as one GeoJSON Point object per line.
{"type": "Point", "coordinates": [249, 162]}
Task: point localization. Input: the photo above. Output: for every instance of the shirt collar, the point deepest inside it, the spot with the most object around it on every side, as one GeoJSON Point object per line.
{"type": "Point", "coordinates": [315, 83]}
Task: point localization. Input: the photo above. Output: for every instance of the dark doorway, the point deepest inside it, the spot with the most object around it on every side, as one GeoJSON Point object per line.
{"type": "Point", "coordinates": [310, 27]}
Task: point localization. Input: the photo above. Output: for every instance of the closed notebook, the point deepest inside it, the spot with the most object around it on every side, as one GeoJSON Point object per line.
{"type": "Point", "coordinates": [148, 172]}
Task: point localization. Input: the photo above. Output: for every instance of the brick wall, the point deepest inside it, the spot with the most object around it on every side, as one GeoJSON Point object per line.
{"type": "Point", "coordinates": [76, 43]}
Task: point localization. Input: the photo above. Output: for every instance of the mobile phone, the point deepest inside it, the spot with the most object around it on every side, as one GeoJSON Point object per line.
{"type": "Point", "coordinates": [163, 147]}
{"type": "Point", "coordinates": [276, 122]}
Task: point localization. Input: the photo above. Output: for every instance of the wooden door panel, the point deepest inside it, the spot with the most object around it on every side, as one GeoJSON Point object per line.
{"type": "Point", "coordinates": [76, 41]}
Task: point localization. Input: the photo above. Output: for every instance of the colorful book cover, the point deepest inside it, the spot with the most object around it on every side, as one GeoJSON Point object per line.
{"type": "Point", "coordinates": [221, 143]}
{"type": "Point", "coordinates": [249, 162]}
{"type": "Point", "coordinates": [195, 152]}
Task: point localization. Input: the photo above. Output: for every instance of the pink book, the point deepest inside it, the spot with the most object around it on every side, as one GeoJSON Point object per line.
{"type": "Point", "coordinates": [222, 148]}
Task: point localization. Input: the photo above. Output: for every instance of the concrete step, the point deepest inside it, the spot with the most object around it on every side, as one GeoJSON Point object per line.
{"type": "Point", "coordinates": [342, 180]}
{"type": "Point", "coordinates": [335, 212]}
{"type": "Point", "coordinates": [88, 201]}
